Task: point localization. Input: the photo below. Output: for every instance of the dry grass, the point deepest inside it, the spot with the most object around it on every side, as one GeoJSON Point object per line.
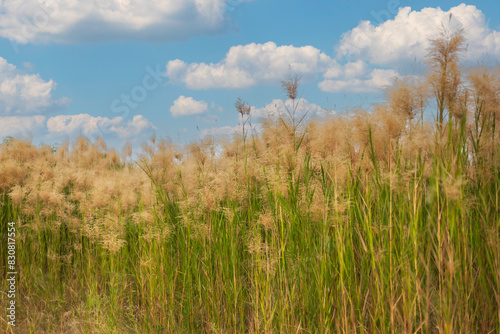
{"type": "Point", "coordinates": [369, 221]}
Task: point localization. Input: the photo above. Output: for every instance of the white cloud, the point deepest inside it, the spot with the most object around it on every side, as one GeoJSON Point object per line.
{"type": "Point", "coordinates": [279, 107]}
{"type": "Point", "coordinates": [23, 94]}
{"type": "Point", "coordinates": [407, 36]}
{"type": "Point", "coordinates": [186, 106]}
{"type": "Point", "coordinates": [377, 80]}
{"type": "Point", "coordinates": [222, 131]}
{"type": "Point", "coordinates": [355, 69]}
{"type": "Point", "coordinates": [87, 125]}
{"type": "Point", "coordinates": [252, 64]}
{"type": "Point", "coordinates": [103, 20]}
{"type": "Point", "coordinates": [349, 70]}
{"type": "Point", "coordinates": [59, 128]}
{"type": "Point", "coordinates": [375, 53]}
{"type": "Point", "coordinates": [21, 126]}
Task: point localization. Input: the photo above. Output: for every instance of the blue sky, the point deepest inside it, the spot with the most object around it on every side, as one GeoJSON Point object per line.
{"type": "Point", "coordinates": [125, 69]}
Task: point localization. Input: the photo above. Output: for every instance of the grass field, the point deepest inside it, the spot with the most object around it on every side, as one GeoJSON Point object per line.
{"type": "Point", "coordinates": [379, 221]}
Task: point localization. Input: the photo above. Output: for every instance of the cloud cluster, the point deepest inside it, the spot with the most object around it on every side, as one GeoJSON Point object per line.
{"type": "Point", "coordinates": [87, 125]}
{"type": "Point", "coordinates": [376, 80]}
{"type": "Point", "coordinates": [400, 40]}
{"type": "Point", "coordinates": [25, 94]}
{"type": "Point", "coordinates": [221, 131]}
{"type": "Point", "coordinates": [21, 126]}
{"type": "Point", "coordinates": [251, 64]}
{"type": "Point", "coordinates": [26, 99]}
{"type": "Point", "coordinates": [34, 21]}
{"type": "Point", "coordinates": [63, 126]}
{"type": "Point", "coordinates": [278, 107]}
{"type": "Point", "coordinates": [375, 54]}
{"type": "Point", "coordinates": [187, 106]}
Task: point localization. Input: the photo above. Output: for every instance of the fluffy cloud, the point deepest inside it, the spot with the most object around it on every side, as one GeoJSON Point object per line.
{"type": "Point", "coordinates": [186, 106]}
{"type": "Point", "coordinates": [377, 79]}
{"type": "Point", "coordinates": [90, 126]}
{"type": "Point", "coordinates": [396, 43]}
{"type": "Point", "coordinates": [407, 36]}
{"type": "Point", "coordinates": [352, 69]}
{"type": "Point", "coordinates": [105, 20]}
{"type": "Point", "coordinates": [59, 128]}
{"type": "Point", "coordinates": [22, 94]}
{"type": "Point", "coordinates": [279, 107]}
{"type": "Point", "coordinates": [21, 126]}
{"type": "Point", "coordinates": [376, 52]}
{"type": "Point", "coordinates": [251, 64]}
{"type": "Point", "coordinates": [221, 131]}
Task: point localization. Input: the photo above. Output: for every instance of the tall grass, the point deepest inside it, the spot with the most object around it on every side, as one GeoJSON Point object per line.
{"type": "Point", "coordinates": [365, 222]}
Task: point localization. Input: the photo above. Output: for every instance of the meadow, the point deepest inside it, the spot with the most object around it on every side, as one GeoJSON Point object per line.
{"type": "Point", "coordinates": [366, 221]}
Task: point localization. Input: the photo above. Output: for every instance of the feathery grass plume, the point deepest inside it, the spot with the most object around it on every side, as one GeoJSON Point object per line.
{"type": "Point", "coordinates": [244, 110]}
{"type": "Point", "coordinates": [328, 137]}
{"type": "Point", "coordinates": [19, 150]}
{"type": "Point", "coordinates": [18, 194]}
{"type": "Point", "coordinates": [445, 75]}
{"type": "Point", "coordinates": [485, 82]}
{"type": "Point", "coordinates": [198, 153]}
{"type": "Point", "coordinates": [242, 107]}
{"type": "Point", "coordinates": [290, 86]}
{"type": "Point", "coordinates": [10, 174]}
{"type": "Point", "coordinates": [407, 96]}
{"type": "Point", "coordinates": [62, 151]}
{"type": "Point", "coordinates": [127, 150]}
{"type": "Point", "coordinates": [419, 142]}
{"type": "Point", "coordinates": [101, 144]}
{"type": "Point", "coordinates": [295, 117]}
{"type": "Point", "coordinates": [360, 125]}
{"type": "Point", "coordinates": [483, 128]}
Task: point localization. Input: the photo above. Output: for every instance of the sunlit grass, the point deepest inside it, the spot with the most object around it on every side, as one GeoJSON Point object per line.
{"type": "Point", "coordinates": [367, 222]}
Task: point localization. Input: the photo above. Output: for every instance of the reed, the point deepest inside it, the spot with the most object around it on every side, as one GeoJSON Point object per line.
{"type": "Point", "coordinates": [364, 222]}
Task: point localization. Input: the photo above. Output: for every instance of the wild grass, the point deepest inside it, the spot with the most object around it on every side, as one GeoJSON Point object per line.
{"type": "Point", "coordinates": [364, 222]}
